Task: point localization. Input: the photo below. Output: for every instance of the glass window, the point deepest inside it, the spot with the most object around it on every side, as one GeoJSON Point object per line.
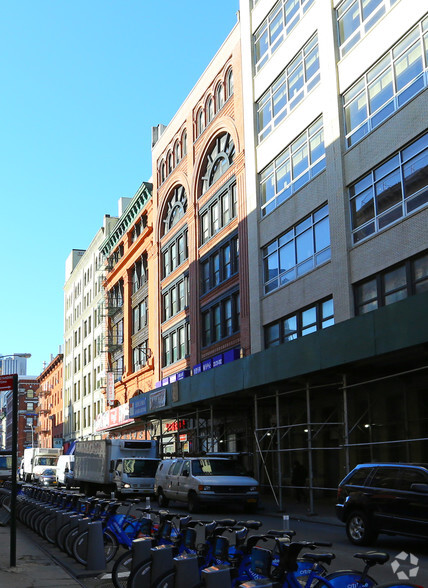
{"type": "Point", "coordinates": [278, 24]}
{"type": "Point", "coordinates": [297, 251]}
{"type": "Point", "coordinates": [391, 191]}
{"type": "Point", "coordinates": [392, 81]}
{"type": "Point", "coordinates": [298, 78]}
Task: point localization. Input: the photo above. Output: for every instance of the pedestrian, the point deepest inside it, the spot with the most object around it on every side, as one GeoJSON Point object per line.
{"type": "Point", "coordinates": [298, 479]}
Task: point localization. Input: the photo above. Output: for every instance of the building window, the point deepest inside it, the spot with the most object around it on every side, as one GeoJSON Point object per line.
{"type": "Point", "coordinates": [297, 251]}
{"type": "Point", "coordinates": [139, 316]}
{"type": "Point", "coordinates": [303, 322]}
{"type": "Point", "coordinates": [175, 209]}
{"type": "Point", "coordinates": [395, 283]}
{"type": "Point", "coordinates": [219, 97]}
{"type": "Point", "coordinates": [140, 356]}
{"type": "Point", "coordinates": [139, 273]}
{"type": "Point", "coordinates": [175, 298]}
{"type": "Point", "coordinates": [200, 124]}
{"type": "Point", "coordinates": [391, 191]}
{"type": "Point", "coordinates": [221, 319]}
{"type": "Point", "coordinates": [294, 168]}
{"type": "Point", "coordinates": [177, 153]}
{"type": "Point", "coordinates": [184, 143]}
{"type": "Point", "coordinates": [210, 109]}
{"type": "Point", "coordinates": [218, 161]}
{"type": "Point", "coordinates": [356, 17]}
{"type": "Point", "coordinates": [220, 265]}
{"type": "Point", "coordinates": [229, 84]}
{"type": "Point", "coordinates": [115, 297]}
{"type": "Point", "coordinates": [176, 344]}
{"type": "Point", "coordinates": [277, 25]}
{"type": "Point", "coordinates": [394, 79]}
{"type": "Point", "coordinates": [174, 254]}
{"type": "Point", "coordinates": [296, 81]}
{"type": "Point", "coordinates": [218, 212]}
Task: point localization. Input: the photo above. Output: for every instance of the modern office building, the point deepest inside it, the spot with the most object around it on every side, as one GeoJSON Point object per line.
{"type": "Point", "coordinates": [84, 331]}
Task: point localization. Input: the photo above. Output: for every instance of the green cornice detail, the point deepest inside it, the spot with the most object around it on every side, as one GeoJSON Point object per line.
{"type": "Point", "coordinates": [133, 209]}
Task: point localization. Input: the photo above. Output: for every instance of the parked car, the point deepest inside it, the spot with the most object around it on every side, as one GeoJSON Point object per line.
{"type": "Point", "coordinates": [389, 498]}
{"type": "Point", "coordinates": [205, 480]}
{"type": "Point", "coordinates": [47, 477]}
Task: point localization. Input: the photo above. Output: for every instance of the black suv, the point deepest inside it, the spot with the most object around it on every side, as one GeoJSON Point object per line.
{"type": "Point", "coordinates": [384, 498]}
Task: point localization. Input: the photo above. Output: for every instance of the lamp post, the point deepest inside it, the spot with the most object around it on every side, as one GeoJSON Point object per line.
{"type": "Point", "coordinates": [10, 382]}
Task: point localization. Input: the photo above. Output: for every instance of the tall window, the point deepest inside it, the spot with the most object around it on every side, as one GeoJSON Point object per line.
{"type": "Point", "coordinates": [356, 17]}
{"type": "Point", "coordinates": [184, 143]}
{"type": "Point", "coordinates": [393, 284]}
{"type": "Point", "coordinates": [220, 265]}
{"type": "Point", "coordinates": [200, 122]}
{"type": "Point", "coordinates": [229, 84]}
{"type": "Point", "coordinates": [140, 355]}
{"type": "Point", "coordinates": [219, 97]}
{"type": "Point", "coordinates": [175, 344]}
{"type": "Point", "coordinates": [139, 316]}
{"type": "Point", "coordinates": [175, 209]}
{"type": "Point", "coordinates": [174, 253]}
{"type": "Point", "coordinates": [210, 109]}
{"type": "Point", "coordinates": [395, 78]}
{"type": "Point", "coordinates": [391, 191]}
{"type": "Point", "coordinates": [297, 251]}
{"type": "Point", "coordinates": [175, 298]}
{"type": "Point", "coordinates": [218, 160]}
{"type": "Point", "coordinates": [221, 319]}
{"type": "Point", "coordinates": [220, 210]}
{"type": "Point", "coordinates": [279, 23]}
{"type": "Point", "coordinates": [298, 78]}
{"type": "Point", "coordinates": [300, 162]}
{"type": "Point", "coordinates": [307, 320]}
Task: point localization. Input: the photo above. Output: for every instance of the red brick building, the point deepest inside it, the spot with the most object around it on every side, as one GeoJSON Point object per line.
{"type": "Point", "coordinates": [50, 408]}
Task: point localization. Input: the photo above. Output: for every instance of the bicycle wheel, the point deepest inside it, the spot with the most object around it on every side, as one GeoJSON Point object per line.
{"type": "Point", "coordinates": [140, 576]}
{"type": "Point", "coordinates": [69, 539]}
{"type": "Point", "coordinates": [80, 546]}
{"type": "Point", "coordinates": [49, 529]}
{"type": "Point", "coordinates": [60, 536]}
{"type": "Point", "coordinates": [122, 570]}
{"type": "Point", "coordinates": [345, 578]}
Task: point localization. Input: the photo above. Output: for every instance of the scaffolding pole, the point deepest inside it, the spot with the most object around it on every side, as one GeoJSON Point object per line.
{"type": "Point", "coordinates": [311, 476]}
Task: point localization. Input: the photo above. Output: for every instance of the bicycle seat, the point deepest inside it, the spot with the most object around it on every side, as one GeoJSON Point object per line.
{"type": "Point", "coordinates": [319, 557]}
{"type": "Point", "coordinates": [226, 522]}
{"type": "Point", "coordinates": [272, 533]}
{"type": "Point", "coordinates": [372, 558]}
{"type": "Point", "coordinates": [255, 525]}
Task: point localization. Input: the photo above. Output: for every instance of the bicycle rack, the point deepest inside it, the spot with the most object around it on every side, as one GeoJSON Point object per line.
{"type": "Point", "coordinates": [216, 576]}
{"type": "Point", "coordinates": [96, 558]}
{"type": "Point", "coordinates": [186, 571]}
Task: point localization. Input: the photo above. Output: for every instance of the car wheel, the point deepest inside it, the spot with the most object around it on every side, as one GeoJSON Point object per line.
{"type": "Point", "coordinates": [162, 500]}
{"type": "Point", "coordinates": [192, 503]}
{"type": "Point", "coordinates": [359, 528]}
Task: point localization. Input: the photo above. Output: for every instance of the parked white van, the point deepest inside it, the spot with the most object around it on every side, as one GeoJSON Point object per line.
{"type": "Point", "coordinates": [205, 480]}
{"type": "Point", "coordinates": [64, 470]}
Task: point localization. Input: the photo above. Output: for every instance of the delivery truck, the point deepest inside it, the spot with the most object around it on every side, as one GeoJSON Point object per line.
{"type": "Point", "coordinates": [125, 467]}
{"type": "Point", "coordinates": [37, 459]}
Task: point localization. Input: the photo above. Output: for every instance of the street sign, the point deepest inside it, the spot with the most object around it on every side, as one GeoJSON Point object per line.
{"type": "Point", "coordinates": [6, 383]}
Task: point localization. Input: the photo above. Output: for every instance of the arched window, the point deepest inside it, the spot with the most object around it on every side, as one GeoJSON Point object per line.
{"type": "Point", "coordinates": [201, 122]}
{"type": "Point", "coordinates": [177, 152]}
{"type": "Point", "coordinates": [162, 171]}
{"type": "Point", "coordinates": [229, 83]}
{"type": "Point", "coordinates": [210, 109]}
{"type": "Point", "coordinates": [184, 143]}
{"type": "Point", "coordinates": [175, 208]}
{"type": "Point", "coordinates": [170, 163]}
{"type": "Point", "coordinates": [219, 97]}
{"type": "Point", "coordinates": [218, 160]}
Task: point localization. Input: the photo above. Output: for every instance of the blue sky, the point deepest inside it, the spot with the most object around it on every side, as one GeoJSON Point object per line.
{"type": "Point", "coordinates": [82, 83]}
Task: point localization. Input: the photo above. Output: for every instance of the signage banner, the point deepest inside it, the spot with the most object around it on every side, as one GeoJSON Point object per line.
{"type": "Point", "coordinates": [157, 399]}
{"type": "Point", "coordinates": [110, 388]}
{"type": "Point", "coordinates": [138, 405]}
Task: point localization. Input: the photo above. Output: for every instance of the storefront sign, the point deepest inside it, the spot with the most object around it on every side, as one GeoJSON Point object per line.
{"type": "Point", "coordinates": [218, 360]}
{"type": "Point", "coordinates": [110, 388]}
{"type": "Point", "coordinates": [207, 365]}
{"type": "Point", "coordinates": [197, 369]}
{"type": "Point", "coordinates": [138, 405]}
{"type": "Point", "coordinates": [157, 399]}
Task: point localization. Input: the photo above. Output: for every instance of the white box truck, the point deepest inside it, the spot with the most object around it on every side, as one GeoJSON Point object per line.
{"type": "Point", "coordinates": [38, 459]}
{"type": "Point", "coordinates": [125, 467]}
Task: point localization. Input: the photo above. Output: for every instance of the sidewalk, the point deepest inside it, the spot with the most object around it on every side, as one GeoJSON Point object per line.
{"type": "Point", "coordinates": [34, 568]}
{"type": "Point", "coordinates": [323, 512]}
